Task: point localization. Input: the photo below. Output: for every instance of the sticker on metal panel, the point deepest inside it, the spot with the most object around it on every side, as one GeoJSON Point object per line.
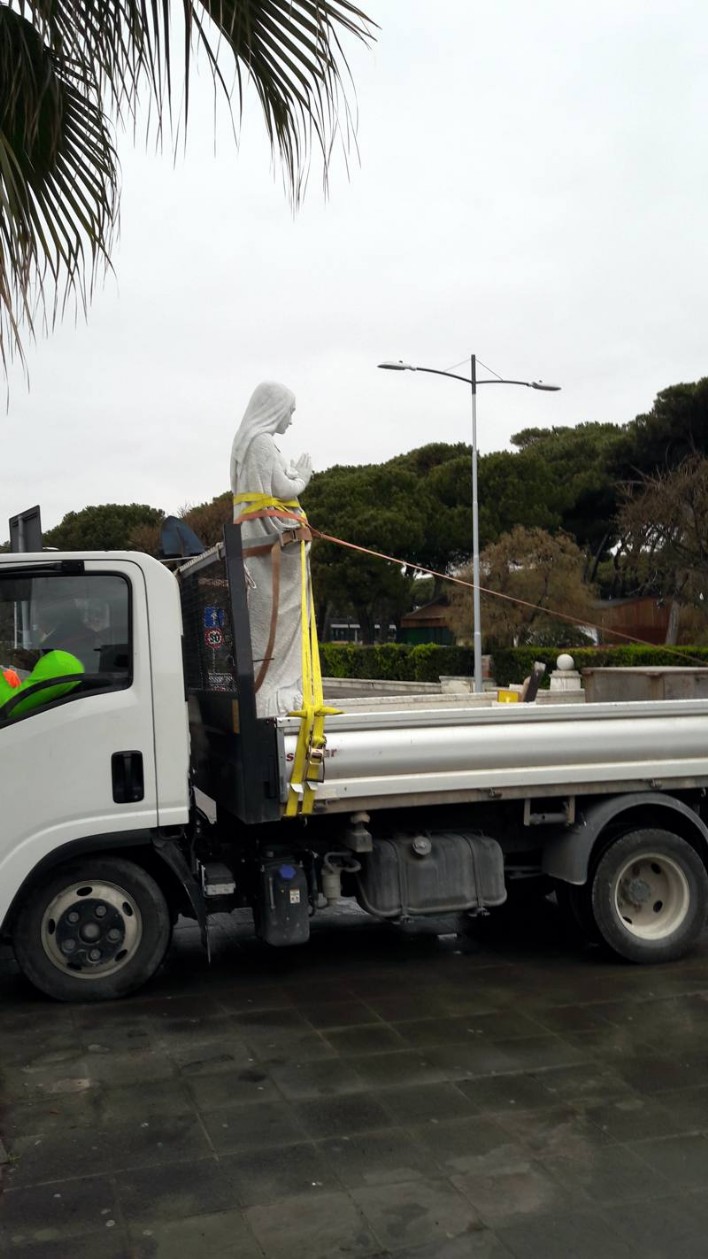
{"type": "Point", "coordinates": [220, 682]}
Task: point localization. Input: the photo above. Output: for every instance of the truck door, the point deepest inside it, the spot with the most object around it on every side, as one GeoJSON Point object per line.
{"type": "Point", "coordinates": [81, 763]}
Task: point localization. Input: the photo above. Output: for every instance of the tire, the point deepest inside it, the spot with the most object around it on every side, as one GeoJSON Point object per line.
{"type": "Point", "coordinates": [94, 929]}
{"type": "Point", "coordinates": [649, 896]}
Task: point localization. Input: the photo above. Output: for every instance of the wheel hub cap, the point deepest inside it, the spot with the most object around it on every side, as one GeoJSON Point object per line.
{"type": "Point", "coordinates": [652, 896]}
{"type": "Point", "coordinates": [91, 928]}
{"type": "Point", "coordinates": [90, 933]}
{"type": "Point", "coordinates": [637, 891]}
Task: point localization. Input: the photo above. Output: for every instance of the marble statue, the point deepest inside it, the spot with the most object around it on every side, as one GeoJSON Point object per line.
{"type": "Point", "coordinates": [265, 486]}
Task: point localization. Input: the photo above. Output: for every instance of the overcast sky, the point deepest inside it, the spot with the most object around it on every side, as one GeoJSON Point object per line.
{"type": "Point", "coordinates": [531, 187]}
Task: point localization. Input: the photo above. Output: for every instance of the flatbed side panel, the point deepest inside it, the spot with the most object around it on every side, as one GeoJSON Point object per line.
{"type": "Point", "coordinates": [640, 744]}
{"type": "Point", "coordinates": [474, 795]}
{"type": "Point", "coordinates": [429, 713]}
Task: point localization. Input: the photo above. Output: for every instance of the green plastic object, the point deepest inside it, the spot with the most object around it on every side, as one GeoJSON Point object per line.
{"type": "Point", "coordinates": [56, 664]}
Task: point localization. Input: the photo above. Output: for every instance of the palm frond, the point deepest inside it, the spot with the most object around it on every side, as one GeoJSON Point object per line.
{"type": "Point", "coordinates": [291, 50]}
{"type": "Point", "coordinates": [67, 66]}
{"type": "Point", "coordinates": [58, 181]}
{"type": "Point", "coordinates": [293, 54]}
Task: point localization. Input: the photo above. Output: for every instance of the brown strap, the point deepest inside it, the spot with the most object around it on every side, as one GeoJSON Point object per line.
{"type": "Point", "coordinates": [274, 549]}
{"type": "Point", "coordinates": [258, 550]}
{"type": "Point", "coordinates": [303, 534]}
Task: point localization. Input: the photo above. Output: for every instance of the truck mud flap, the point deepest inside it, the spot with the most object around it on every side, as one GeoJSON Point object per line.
{"type": "Point", "coordinates": [567, 853]}
{"type": "Point", "coordinates": [172, 857]}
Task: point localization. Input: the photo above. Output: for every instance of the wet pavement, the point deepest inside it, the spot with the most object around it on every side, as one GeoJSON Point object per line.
{"type": "Point", "coordinates": [379, 1092]}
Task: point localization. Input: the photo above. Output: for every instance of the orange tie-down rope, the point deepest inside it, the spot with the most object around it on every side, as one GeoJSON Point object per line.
{"type": "Point", "coordinates": [497, 594]}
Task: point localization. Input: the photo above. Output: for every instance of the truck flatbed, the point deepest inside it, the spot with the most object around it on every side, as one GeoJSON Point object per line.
{"type": "Point", "coordinates": [398, 755]}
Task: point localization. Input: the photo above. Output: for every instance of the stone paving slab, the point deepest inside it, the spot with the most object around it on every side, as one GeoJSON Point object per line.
{"type": "Point", "coordinates": [382, 1093]}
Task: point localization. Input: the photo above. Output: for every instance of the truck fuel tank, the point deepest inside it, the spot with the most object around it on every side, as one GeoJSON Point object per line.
{"type": "Point", "coordinates": [431, 873]}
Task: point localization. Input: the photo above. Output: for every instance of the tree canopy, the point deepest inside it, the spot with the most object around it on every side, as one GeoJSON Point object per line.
{"type": "Point", "coordinates": [675, 429]}
{"type": "Point", "coordinates": [664, 550]}
{"type": "Point", "coordinates": [660, 466]}
{"type": "Point", "coordinates": [582, 489]}
{"type": "Point", "coordinates": [515, 491]}
{"type": "Point", "coordinates": [371, 506]}
{"type": "Point", "coordinates": [110, 527]}
{"type": "Point", "coordinates": [545, 572]}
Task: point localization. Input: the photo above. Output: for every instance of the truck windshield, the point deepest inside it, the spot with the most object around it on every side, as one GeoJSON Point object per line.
{"type": "Point", "coordinates": [86, 614]}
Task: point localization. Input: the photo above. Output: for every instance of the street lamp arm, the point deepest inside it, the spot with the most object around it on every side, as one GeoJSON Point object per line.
{"type": "Point", "coordinates": [434, 371]}
{"type": "Point", "coordinates": [495, 380]}
{"type": "Point", "coordinates": [530, 384]}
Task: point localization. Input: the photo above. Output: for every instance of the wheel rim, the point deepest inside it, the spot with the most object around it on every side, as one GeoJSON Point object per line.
{"type": "Point", "coordinates": [652, 896]}
{"type": "Point", "coordinates": [91, 929]}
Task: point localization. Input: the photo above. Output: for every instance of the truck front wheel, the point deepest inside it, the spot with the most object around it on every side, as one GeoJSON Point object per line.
{"type": "Point", "coordinates": [649, 896]}
{"type": "Point", "coordinates": [94, 929]}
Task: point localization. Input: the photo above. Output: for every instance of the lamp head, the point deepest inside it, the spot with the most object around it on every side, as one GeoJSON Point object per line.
{"type": "Point", "coordinates": [540, 384]}
{"type": "Point", "coordinates": [399, 366]}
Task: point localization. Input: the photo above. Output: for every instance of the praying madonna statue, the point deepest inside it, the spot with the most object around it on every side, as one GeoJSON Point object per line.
{"type": "Point", "coordinates": [265, 486]}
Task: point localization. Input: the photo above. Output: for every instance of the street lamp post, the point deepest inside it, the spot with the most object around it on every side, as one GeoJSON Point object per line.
{"type": "Point", "coordinates": [476, 599]}
{"type": "Point", "coordinates": [473, 382]}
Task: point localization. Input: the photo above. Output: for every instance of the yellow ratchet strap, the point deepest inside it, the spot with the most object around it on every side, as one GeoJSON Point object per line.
{"type": "Point", "coordinates": [311, 742]}
{"type": "Point", "coordinates": [255, 505]}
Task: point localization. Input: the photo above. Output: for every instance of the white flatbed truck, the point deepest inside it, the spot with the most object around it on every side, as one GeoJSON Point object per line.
{"type": "Point", "coordinates": [418, 810]}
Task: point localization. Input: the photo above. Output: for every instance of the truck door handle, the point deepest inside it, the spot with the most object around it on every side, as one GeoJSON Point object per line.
{"type": "Point", "coordinates": [128, 778]}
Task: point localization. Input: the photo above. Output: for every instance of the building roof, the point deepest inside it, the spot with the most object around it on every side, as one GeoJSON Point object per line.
{"type": "Point", "coordinates": [435, 613]}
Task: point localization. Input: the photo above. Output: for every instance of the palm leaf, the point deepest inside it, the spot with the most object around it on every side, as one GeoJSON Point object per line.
{"type": "Point", "coordinates": [67, 66]}
{"type": "Point", "coordinates": [58, 181]}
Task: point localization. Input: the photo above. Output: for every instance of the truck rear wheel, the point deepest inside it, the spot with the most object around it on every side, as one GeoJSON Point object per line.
{"type": "Point", "coordinates": [649, 896]}
{"type": "Point", "coordinates": [95, 929]}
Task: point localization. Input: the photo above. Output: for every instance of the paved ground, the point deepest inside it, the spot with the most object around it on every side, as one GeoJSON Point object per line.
{"type": "Point", "coordinates": [378, 1093]}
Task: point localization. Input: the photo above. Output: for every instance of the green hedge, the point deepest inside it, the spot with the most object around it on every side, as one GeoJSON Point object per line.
{"type": "Point", "coordinates": [427, 662]}
{"type": "Point", "coordinates": [394, 662]}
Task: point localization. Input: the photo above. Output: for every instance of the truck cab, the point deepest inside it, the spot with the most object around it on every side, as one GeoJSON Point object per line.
{"type": "Point", "coordinates": [104, 768]}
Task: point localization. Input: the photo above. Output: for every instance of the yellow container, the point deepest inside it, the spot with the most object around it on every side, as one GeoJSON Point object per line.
{"type": "Point", "coordinates": [508, 697]}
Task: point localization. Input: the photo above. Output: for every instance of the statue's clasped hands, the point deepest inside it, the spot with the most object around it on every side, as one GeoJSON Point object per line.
{"type": "Point", "coordinates": [303, 467]}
